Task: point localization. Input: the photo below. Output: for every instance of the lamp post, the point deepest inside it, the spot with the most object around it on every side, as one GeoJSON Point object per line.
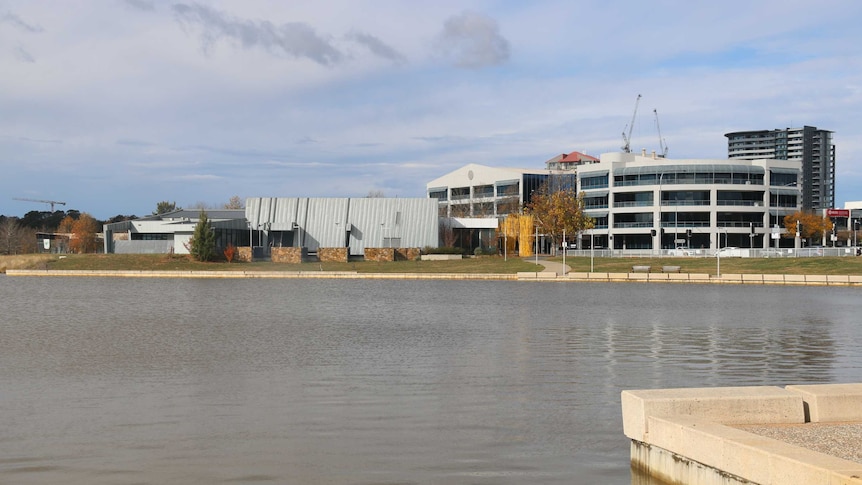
{"type": "Point", "coordinates": [565, 247]}
{"type": "Point", "coordinates": [592, 250]}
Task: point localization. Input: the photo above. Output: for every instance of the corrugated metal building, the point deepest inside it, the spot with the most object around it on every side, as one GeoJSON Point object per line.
{"type": "Point", "coordinates": [316, 223]}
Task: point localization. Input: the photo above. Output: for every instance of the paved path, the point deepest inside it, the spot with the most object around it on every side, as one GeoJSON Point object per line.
{"type": "Point", "coordinates": [550, 266]}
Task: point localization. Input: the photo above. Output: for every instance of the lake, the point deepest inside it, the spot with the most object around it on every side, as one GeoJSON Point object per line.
{"type": "Point", "coordinates": [132, 381]}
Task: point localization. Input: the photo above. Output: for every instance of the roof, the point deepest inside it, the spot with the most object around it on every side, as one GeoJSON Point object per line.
{"type": "Point", "coordinates": [578, 157]}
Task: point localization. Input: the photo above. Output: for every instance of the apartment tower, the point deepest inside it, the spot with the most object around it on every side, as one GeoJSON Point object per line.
{"type": "Point", "coordinates": [813, 148]}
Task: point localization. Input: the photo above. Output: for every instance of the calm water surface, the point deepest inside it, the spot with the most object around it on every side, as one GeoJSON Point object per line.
{"type": "Point", "coordinates": [129, 381]}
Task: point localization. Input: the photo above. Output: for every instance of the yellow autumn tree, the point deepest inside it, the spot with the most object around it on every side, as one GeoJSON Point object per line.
{"type": "Point", "coordinates": [558, 211]}
{"type": "Point", "coordinates": [84, 231]}
{"type": "Point", "coordinates": [813, 225]}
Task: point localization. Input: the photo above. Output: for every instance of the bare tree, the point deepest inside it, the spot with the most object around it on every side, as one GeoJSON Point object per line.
{"type": "Point", "coordinates": [15, 238]}
{"type": "Point", "coordinates": [234, 203]}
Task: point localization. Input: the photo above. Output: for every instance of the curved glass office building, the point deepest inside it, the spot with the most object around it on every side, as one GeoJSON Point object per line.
{"type": "Point", "coordinates": [649, 202]}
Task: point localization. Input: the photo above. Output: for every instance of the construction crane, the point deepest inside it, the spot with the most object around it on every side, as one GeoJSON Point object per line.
{"type": "Point", "coordinates": [627, 139]}
{"type": "Point", "coordinates": [661, 142]}
{"type": "Point", "coordinates": [51, 202]}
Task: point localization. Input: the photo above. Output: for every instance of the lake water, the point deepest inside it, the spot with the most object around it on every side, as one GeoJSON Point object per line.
{"type": "Point", "coordinates": [133, 381]}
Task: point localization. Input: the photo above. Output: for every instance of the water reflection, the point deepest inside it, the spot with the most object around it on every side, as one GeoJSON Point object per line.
{"type": "Point", "coordinates": [287, 381]}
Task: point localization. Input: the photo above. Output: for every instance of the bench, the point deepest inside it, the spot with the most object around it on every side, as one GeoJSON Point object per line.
{"type": "Point", "coordinates": [641, 269]}
{"type": "Point", "coordinates": [670, 269]}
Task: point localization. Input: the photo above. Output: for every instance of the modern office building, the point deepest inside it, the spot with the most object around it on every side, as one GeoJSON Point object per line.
{"type": "Point", "coordinates": [472, 199]}
{"type": "Point", "coordinates": [808, 145]}
{"type": "Point", "coordinates": [649, 202]}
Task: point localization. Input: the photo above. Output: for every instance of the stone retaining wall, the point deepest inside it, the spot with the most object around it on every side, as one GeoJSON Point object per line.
{"type": "Point", "coordinates": [380, 254]}
{"type": "Point", "coordinates": [243, 254]}
{"type": "Point", "coordinates": [288, 255]}
{"type": "Point", "coordinates": [407, 254]}
{"type": "Point", "coordinates": [332, 255]}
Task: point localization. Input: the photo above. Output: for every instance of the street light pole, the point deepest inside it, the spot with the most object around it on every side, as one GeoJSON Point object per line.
{"type": "Point", "coordinates": [565, 247]}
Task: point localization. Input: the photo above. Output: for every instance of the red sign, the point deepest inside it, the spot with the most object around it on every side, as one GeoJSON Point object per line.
{"type": "Point", "coordinates": [837, 212]}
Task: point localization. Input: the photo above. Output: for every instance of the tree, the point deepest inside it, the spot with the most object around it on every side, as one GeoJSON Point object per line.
{"type": "Point", "coordinates": [65, 226]}
{"type": "Point", "coordinates": [559, 211]}
{"type": "Point", "coordinates": [202, 244]}
{"type": "Point", "coordinates": [84, 231]}
{"type": "Point", "coordinates": [812, 224]}
{"type": "Point", "coordinates": [10, 236]}
{"type": "Point", "coordinates": [229, 252]}
{"type": "Point", "coordinates": [164, 207]}
{"type": "Point", "coordinates": [375, 194]}
{"type": "Point", "coordinates": [234, 203]}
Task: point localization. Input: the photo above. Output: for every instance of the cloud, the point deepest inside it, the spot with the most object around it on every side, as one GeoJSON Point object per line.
{"type": "Point", "coordinates": [11, 18]}
{"type": "Point", "coordinates": [377, 47]}
{"type": "Point", "coordinates": [23, 55]}
{"type": "Point", "coordinates": [294, 39]}
{"type": "Point", "coordinates": [472, 40]}
{"type": "Point", "coordinates": [146, 5]}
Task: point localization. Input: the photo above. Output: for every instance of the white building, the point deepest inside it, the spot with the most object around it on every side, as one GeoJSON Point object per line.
{"type": "Point", "coordinates": [472, 199]}
{"type": "Point", "coordinates": [648, 202]}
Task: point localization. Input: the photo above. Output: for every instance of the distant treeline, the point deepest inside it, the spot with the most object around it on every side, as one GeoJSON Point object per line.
{"type": "Point", "coordinates": [47, 221]}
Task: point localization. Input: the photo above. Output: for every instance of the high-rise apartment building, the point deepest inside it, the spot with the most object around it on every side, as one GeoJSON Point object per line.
{"type": "Point", "coordinates": [810, 146]}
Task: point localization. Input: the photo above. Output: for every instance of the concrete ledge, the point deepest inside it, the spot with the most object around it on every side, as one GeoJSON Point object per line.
{"type": "Point", "coordinates": [539, 275]}
{"type": "Point", "coordinates": [747, 457]}
{"type": "Point", "coordinates": [773, 278]}
{"type": "Point", "coordinates": [599, 276]}
{"type": "Point", "coordinates": [816, 279]}
{"type": "Point", "coordinates": [831, 403]}
{"type": "Point", "coordinates": [618, 276]}
{"type": "Point", "coordinates": [683, 435]}
{"type": "Point", "coordinates": [678, 277]}
{"type": "Point", "coordinates": [813, 280]}
{"type": "Point", "coordinates": [737, 405]}
{"type": "Point", "coordinates": [701, 277]}
{"type": "Point", "coordinates": [440, 257]}
{"type": "Point", "coordinates": [837, 279]}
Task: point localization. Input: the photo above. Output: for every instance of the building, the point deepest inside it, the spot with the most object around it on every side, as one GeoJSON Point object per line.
{"type": "Point", "coordinates": [649, 202]}
{"type": "Point", "coordinates": [570, 161]}
{"type": "Point", "coordinates": [354, 223]}
{"type": "Point", "coordinates": [472, 199]}
{"type": "Point", "coordinates": [171, 232]}
{"type": "Point", "coordinates": [808, 145]}
{"type": "Point", "coordinates": [296, 222]}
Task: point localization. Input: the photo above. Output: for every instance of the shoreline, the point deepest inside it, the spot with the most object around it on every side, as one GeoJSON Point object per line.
{"type": "Point", "coordinates": [546, 276]}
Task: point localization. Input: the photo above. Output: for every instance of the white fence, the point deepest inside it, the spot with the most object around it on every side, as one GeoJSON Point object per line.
{"type": "Point", "coordinates": [711, 253]}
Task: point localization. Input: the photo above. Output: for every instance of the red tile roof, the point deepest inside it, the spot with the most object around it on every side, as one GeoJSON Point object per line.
{"type": "Point", "coordinates": [578, 157]}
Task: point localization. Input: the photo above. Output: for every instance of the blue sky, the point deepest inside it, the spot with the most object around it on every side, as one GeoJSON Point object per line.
{"type": "Point", "coordinates": [115, 105]}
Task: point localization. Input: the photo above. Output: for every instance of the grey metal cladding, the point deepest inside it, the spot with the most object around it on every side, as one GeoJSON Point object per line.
{"type": "Point", "coordinates": [355, 223]}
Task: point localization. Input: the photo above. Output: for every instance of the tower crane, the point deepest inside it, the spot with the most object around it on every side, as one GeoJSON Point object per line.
{"type": "Point", "coordinates": [51, 202]}
{"type": "Point", "coordinates": [661, 142]}
{"type": "Point", "coordinates": [627, 147]}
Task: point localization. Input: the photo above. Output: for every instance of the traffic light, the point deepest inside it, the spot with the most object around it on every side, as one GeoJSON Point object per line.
{"type": "Point", "coordinates": [856, 225]}
{"type": "Point", "coordinates": [752, 228]}
{"type": "Point", "coordinates": [662, 231]}
{"type": "Point", "coordinates": [652, 232]}
{"type": "Point", "coordinates": [688, 232]}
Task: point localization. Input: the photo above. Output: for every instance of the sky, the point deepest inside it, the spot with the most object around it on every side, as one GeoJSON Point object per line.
{"type": "Point", "coordinates": [114, 105]}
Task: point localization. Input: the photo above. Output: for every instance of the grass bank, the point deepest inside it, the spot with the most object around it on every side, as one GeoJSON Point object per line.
{"type": "Point", "coordinates": [161, 262]}
{"type": "Point", "coordinates": [482, 265]}
{"type": "Point", "coordinates": [849, 265]}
